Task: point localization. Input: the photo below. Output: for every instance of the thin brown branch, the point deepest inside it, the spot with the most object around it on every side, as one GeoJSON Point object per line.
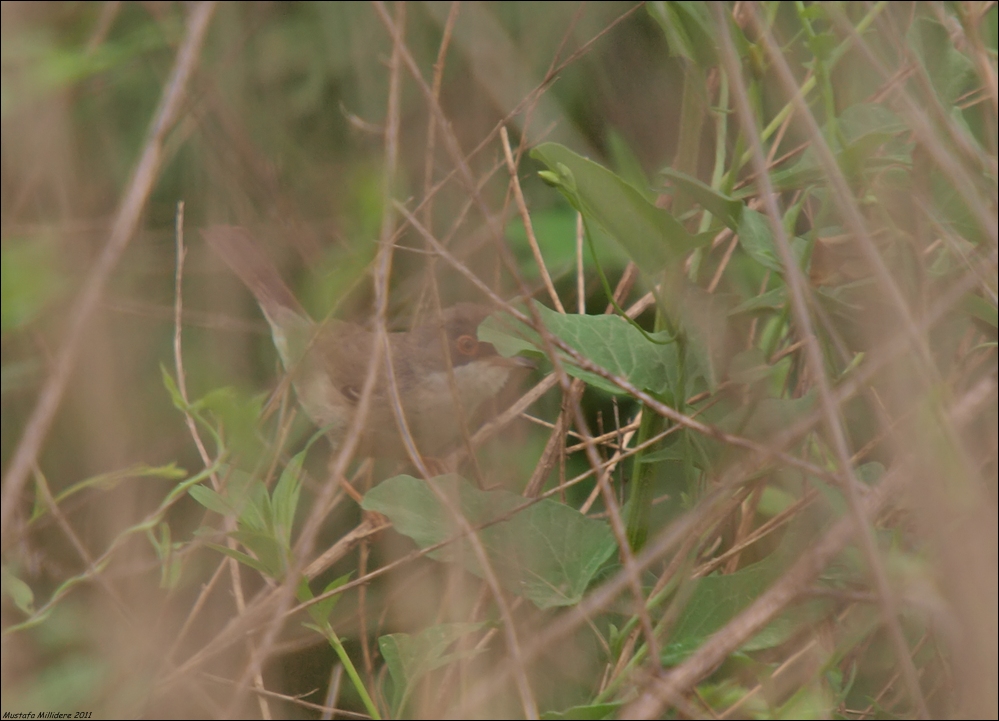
{"type": "Point", "coordinates": [525, 218]}
{"type": "Point", "coordinates": [765, 608]}
{"type": "Point", "coordinates": [428, 162]}
{"type": "Point", "coordinates": [399, 53]}
{"type": "Point", "coordinates": [123, 229]}
{"type": "Point", "coordinates": [799, 295]}
{"type": "Point", "coordinates": [192, 427]}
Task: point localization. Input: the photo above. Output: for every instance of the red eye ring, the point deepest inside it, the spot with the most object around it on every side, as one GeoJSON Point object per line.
{"type": "Point", "coordinates": [467, 345]}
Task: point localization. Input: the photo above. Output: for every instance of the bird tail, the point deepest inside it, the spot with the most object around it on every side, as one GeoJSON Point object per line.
{"type": "Point", "coordinates": [241, 253]}
{"type": "Point", "coordinates": [290, 324]}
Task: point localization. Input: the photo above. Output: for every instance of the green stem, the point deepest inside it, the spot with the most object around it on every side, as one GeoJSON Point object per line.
{"type": "Point", "coordinates": [643, 649]}
{"type": "Point", "coordinates": [351, 671]}
{"type": "Point", "coordinates": [643, 474]}
{"type": "Point", "coordinates": [808, 86]}
{"type": "Point", "coordinates": [324, 627]}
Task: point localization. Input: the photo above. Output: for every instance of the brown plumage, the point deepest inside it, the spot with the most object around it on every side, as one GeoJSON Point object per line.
{"type": "Point", "coordinates": [329, 362]}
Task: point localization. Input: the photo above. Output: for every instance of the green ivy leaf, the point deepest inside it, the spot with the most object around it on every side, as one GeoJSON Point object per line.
{"type": "Point", "coordinates": [951, 73]}
{"type": "Point", "coordinates": [652, 237]}
{"type": "Point", "coordinates": [607, 340]}
{"type": "Point", "coordinates": [555, 229]}
{"type": "Point", "coordinates": [411, 657]}
{"type": "Point", "coordinates": [757, 239]}
{"type": "Point", "coordinates": [546, 552]}
{"type": "Point", "coordinates": [728, 210]}
{"type": "Point", "coordinates": [715, 601]}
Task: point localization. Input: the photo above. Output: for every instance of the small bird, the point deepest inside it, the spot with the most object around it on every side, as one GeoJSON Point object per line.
{"type": "Point", "coordinates": [329, 362]}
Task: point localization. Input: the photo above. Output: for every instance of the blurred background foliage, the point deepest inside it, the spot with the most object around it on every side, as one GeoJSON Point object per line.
{"type": "Point", "coordinates": [282, 131]}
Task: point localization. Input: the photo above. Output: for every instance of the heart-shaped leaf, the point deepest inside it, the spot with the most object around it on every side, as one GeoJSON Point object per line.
{"type": "Point", "coordinates": [546, 551]}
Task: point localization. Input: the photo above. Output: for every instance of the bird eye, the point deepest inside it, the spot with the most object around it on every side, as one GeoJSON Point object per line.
{"type": "Point", "coordinates": [467, 345]}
